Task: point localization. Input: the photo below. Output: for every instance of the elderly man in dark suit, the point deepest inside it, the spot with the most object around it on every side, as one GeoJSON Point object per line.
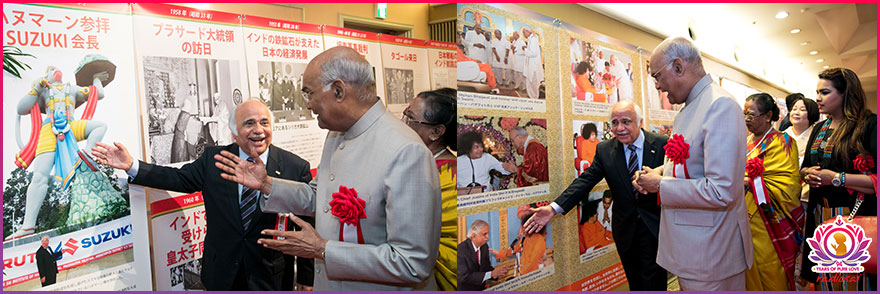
{"type": "Point", "coordinates": [636, 220]}
{"type": "Point", "coordinates": [474, 268]}
{"type": "Point", "coordinates": [46, 262]}
{"type": "Point", "coordinates": [232, 258]}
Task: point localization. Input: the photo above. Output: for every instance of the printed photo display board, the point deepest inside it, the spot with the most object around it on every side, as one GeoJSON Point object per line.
{"type": "Point", "coordinates": [77, 91]}
{"type": "Point", "coordinates": [193, 74]}
{"type": "Point", "coordinates": [277, 53]}
{"type": "Point", "coordinates": [534, 102]}
{"type": "Point", "coordinates": [518, 73]}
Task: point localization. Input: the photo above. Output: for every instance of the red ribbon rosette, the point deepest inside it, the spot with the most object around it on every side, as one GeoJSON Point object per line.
{"type": "Point", "coordinates": [865, 165]}
{"type": "Point", "coordinates": [677, 150]}
{"type": "Point", "coordinates": [755, 167]}
{"type": "Point", "coordinates": [349, 209]}
{"type": "Point", "coordinates": [755, 170]}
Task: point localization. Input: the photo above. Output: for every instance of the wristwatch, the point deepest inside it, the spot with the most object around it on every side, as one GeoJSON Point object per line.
{"type": "Point", "coordinates": [839, 180]}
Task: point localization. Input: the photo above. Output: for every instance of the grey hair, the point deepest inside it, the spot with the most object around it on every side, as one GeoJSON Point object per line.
{"type": "Point", "coordinates": [233, 125]}
{"type": "Point", "coordinates": [476, 226]}
{"type": "Point", "coordinates": [520, 131]}
{"type": "Point", "coordinates": [637, 109]}
{"type": "Point", "coordinates": [352, 71]}
{"type": "Point", "coordinates": [680, 47]}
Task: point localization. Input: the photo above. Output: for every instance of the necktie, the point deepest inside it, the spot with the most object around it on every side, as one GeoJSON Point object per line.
{"type": "Point", "coordinates": [633, 163]}
{"type": "Point", "coordinates": [478, 256]}
{"type": "Point", "coordinates": [248, 204]}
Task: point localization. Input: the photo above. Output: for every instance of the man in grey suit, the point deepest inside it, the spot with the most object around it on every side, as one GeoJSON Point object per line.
{"type": "Point", "coordinates": [368, 150]}
{"type": "Point", "coordinates": [705, 237]}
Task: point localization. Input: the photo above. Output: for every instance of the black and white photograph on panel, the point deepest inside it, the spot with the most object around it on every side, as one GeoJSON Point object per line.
{"type": "Point", "coordinates": [281, 90]}
{"type": "Point", "coordinates": [189, 101]}
{"type": "Point", "coordinates": [399, 85]}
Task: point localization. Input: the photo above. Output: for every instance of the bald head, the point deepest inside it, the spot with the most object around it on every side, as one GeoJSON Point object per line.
{"type": "Point", "coordinates": [44, 241]}
{"type": "Point", "coordinates": [629, 107]}
{"type": "Point", "coordinates": [676, 67]}
{"type": "Point", "coordinates": [339, 87]}
{"type": "Point", "coordinates": [681, 48]}
{"type": "Point", "coordinates": [346, 65]}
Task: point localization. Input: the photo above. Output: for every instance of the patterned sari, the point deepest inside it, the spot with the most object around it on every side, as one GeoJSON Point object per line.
{"type": "Point", "coordinates": [445, 268]}
{"type": "Point", "coordinates": [777, 225]}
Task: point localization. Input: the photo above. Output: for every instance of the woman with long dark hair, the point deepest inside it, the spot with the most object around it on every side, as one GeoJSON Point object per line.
{"type": "Point", "coordinates": [837, 185]}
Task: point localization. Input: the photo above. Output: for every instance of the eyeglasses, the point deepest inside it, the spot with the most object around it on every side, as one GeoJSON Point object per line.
{"type": "Point", "coordinates": [749, 116]}
{"type": "Point", "coordinates": [656, 75]}
{"type": "Point", "coordinates": [307, 92]}
{"type": "Point", "coordinates": [408, 119]}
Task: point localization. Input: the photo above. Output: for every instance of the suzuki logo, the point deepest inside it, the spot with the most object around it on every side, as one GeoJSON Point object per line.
{"type": "Point", "coordinates": [71, 246]}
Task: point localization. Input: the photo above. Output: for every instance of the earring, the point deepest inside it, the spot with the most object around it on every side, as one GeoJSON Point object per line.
{"type": "Point", "coordinates": [433, 138]}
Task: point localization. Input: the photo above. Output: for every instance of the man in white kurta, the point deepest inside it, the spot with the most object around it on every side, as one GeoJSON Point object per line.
{"type": "Point", "coordinates": [599, 71]}
{"type": "Point", "coordinates": [374, 153]}
{"type": "Point", "coordinates": [476, 44]}
{"type": "Point", "coordinates": [624, 82]}
{"type": "Point", "coordinates": [519, 61]}
{"type": "Point", "coordinates": [500, 57]}
{"type": "Point", "coordinates": [534, 68]}
{"type": "Point", "coordinates": [704, 237]}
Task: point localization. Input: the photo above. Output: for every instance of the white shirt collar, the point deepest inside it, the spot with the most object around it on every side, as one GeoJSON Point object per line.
{"type": "Point", "coordinates": [475, 246]}
{"type": "Point", "coordinates": [264, 156]}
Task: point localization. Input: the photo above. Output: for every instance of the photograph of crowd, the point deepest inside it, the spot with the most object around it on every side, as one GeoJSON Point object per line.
{"type": "Point", "coordinates": [499, 55]}
{"type": "Point", "coordinates": [600, 74]}
{"type": "Point", "coordinates": [189, 103]}
{"type": "Point", "coordinates": [399, 85]}
{"type": "Point", "coordinates": [280, 89]}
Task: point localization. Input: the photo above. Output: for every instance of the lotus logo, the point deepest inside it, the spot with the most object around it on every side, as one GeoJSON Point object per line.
{"type": "Point", "coordinates": [839, 247]}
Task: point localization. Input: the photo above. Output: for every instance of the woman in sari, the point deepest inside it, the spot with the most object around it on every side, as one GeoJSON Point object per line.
{"type": "Point", "coordinates": [836, 185]}
{"type": "Point", "coordinates": [772, 197]}
{"type": "Point", "coordinates": [432, 115]}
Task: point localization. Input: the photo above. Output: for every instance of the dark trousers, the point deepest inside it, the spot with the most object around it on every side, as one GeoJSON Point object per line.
{"type": "Point", "coordinates": [240, 282]}
{"type": "Point", "coordinates": [640, 261]}
{"type": "Point", "coordinates": [50, 279]}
